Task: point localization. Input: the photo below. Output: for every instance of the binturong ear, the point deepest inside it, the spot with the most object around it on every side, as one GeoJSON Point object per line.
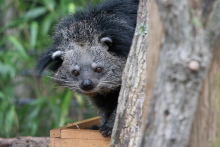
{"type": "Point", "coordinates": [106, 40]}
{"type": "Point", "coordinates": [52, 57]}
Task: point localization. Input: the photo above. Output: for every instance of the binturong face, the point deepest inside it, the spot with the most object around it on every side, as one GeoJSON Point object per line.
{"type": "Point", "coordinates": [88, 68]}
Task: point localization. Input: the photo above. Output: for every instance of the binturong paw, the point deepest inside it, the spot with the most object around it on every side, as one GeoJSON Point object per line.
{"type": "Point", "coordinates": [94, 128]}
{"type": "Point", "coordinates": [105, 131]}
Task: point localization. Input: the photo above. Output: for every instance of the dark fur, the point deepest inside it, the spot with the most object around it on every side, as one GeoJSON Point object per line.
{"type": "Point", "coordinates": [115, 19]}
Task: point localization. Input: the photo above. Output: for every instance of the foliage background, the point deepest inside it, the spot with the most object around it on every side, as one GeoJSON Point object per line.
{"type": "Point", "coordinates": [31, 106]}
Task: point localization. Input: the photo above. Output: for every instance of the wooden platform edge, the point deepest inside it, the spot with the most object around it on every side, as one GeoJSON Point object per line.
{"type": "Point", "coordinates": [56, 133]}
{"type": "Point", "coordinates": [80, 134]}
{"type": "Point", "coordinates": [59, 142]}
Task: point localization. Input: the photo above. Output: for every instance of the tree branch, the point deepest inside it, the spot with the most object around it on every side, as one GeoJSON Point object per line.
{"type": "Point", "coordinates": [25, 142]}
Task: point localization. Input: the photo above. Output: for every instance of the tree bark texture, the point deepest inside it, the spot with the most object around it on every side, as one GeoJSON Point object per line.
{"type": "Point", "coordinates": [206, 126]}
{"type": "Point", "coordinates": [184, 59]}
{"type": "Point", "coordinates": [206, 130]}
{"type": "Point", "coordinates": [127, 129]}
{"type": "Point", "coordinates": [25, 142]}
{"type": "Point", "coordinates": [155, 36]}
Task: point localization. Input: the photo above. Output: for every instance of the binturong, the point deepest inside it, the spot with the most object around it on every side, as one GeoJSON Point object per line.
{"type": "Point", "coordinates": [89, 52]}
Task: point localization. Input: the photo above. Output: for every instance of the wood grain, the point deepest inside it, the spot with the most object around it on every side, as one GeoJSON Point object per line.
{"type": "Point", "coordinates": [77, 135]}
{"type": "Point", "coordinates": [85, 124]}
{"type": "Point", "coordinates": [83, 134]}
{"type": "Point", "coordinates": [80, 143]}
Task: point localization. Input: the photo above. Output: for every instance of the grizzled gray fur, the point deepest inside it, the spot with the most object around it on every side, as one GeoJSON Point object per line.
{"type": "Point", "coordinates": [89, 53]}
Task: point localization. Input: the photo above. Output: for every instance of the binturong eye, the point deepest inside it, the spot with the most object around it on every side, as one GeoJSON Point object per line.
{"type": "Point", "coordinates": [98, 69]}
{"type": "Point", "coordinates": [75, 73]}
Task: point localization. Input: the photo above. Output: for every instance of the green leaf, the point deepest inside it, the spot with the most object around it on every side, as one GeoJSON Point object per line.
{"type": "Point", "coordinates": [34, 13]}
{"type": "Point", "coordinates": [2, 3]}
{"type": "Point", "coordinates": [55, 110]}
{"type": "Point", "coordinates": [50, 4]}
{"type": "Point", "coordinates": [72, 7]}
{"type": "Point", "coordinates": [18, 45]}
{"type": "Point", "coordinates": [46, 25]}
{"type": "Point", "coordinates": [79, 99]}
{"type": "Point", "coordinates": [9, 120]}
{"type": "Point", "coordinates": [2, 95]}
{"type": "Point", "coordinates": [34, 113]}
{"type": "Point", "coordinates": [13, 23]}
{"type": "Point", "coordinates": [34, 127]}
{"type": "Point", "coordinates": [38, 101]}
{"type": "Point", "coordinates": [7, 69]}
{"type": "Point", "coordinates": [65, 108]}
{"type": "Point", "coordinates": [34, 31]}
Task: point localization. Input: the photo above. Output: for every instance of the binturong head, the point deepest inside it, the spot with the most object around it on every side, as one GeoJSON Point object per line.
{"type": "Point", "coordinates": [88, 68]}
{"type": "Point", "coordinates": [85, 67]}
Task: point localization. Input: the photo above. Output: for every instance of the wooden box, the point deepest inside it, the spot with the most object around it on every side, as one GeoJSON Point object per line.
{"type": "Point", "coordinates": [78, 135]}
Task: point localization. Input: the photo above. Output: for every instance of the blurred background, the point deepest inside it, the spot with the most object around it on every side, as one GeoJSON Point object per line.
{"type": "Point", "coordinates": [29, 105]}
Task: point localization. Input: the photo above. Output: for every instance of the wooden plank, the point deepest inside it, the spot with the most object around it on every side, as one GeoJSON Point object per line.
{"type": "Point", "coordinates": [85, 124]}
{"type": "Point", "coordinates": [76, 135]}
{"type": "Point", "coordinates": [55, 133]}
{"type": "Point", "coordinates": [80, 143]}
{"type": "Point", "coordinates": [52, 142]}
{"type": "Point", "coordinates": [57, 142]}
{"type": "Point", "coordinates": [83, 134]}
{"type": "Point", "coordinates": [81, 124]}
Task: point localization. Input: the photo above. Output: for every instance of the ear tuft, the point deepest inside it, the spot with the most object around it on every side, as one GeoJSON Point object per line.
{"type": "Point", "coordinates": [57, 54]}
{"type": "Point", "coordinates": [47, 58]}
{"type": "Point", "coordinates": [107, 41]}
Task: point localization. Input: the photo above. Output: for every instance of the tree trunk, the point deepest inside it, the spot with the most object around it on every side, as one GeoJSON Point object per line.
{"type": "Point", "coordinates": [206, 130]}
{"type": "Point", "coordinates": [178, 57]}
{"type": "Point", "coordinates": [185, 55]}
{"type": "Point", "coordinates": [127, 128]}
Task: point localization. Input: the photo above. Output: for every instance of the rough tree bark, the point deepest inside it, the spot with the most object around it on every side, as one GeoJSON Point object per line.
{"type": "Point", "coordinates": [185, 56]}
{"type": "Point", "coordinates": [25, 142]}
{"type": "Point", "coordinates": [127, 129]}
{"type": "Point", "coordinates": [206, 130]}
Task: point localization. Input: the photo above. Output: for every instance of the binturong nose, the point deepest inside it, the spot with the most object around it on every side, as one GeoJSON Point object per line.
{"type": "Point", "coordinates": [86, 84]}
